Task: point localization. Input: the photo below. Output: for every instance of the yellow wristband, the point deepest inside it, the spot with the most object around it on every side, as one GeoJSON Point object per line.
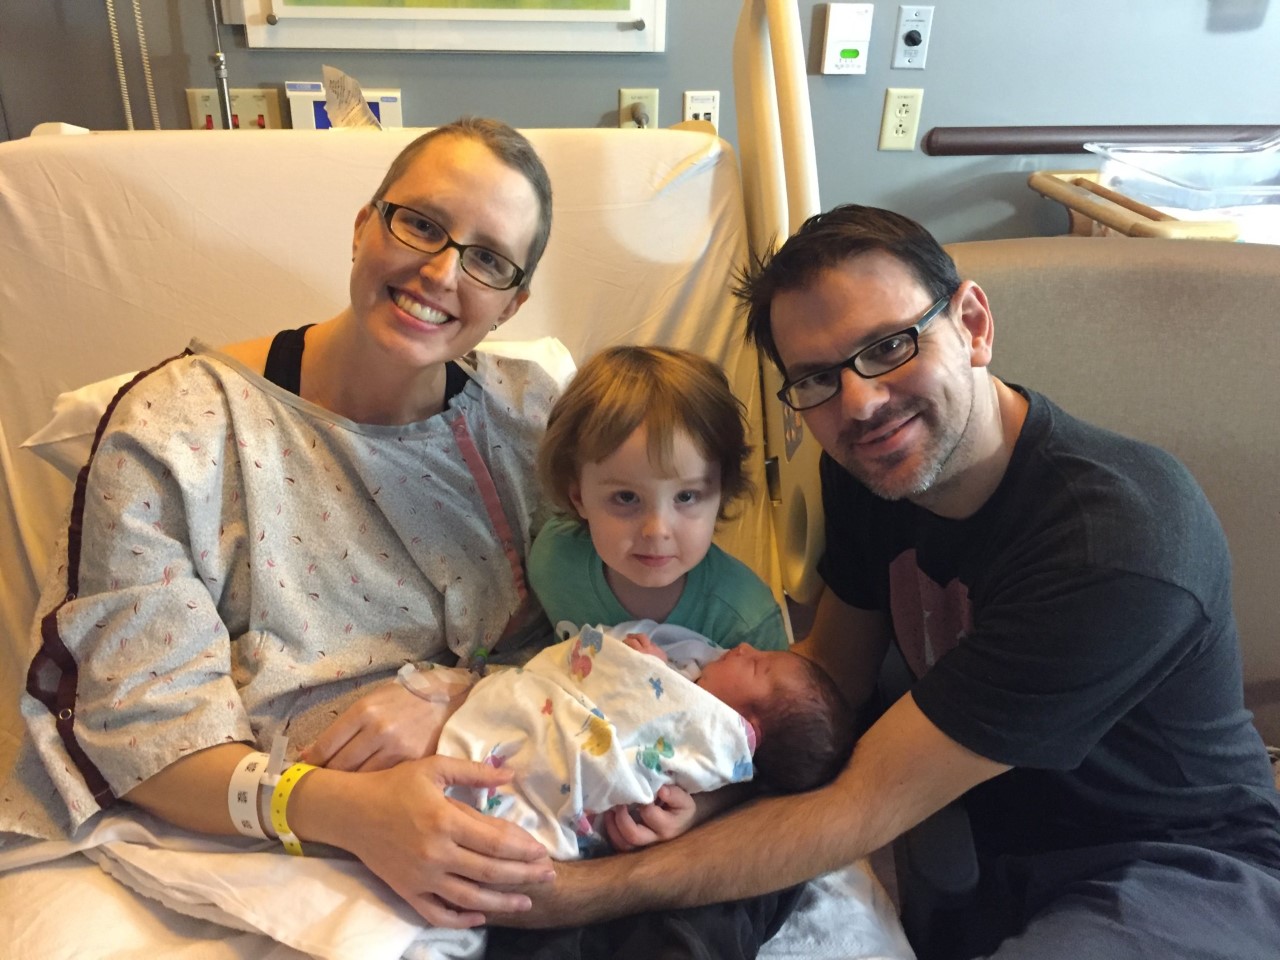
{"type": "Point", "coordinates": [280, 803]}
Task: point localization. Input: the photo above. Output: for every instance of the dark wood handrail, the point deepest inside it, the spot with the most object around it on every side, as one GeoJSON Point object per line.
{"type": "Point", "coordinates": [985, 141]}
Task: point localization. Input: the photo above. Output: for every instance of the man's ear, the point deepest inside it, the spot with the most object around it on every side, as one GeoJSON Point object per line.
{"type": "Point", "coordinates": [516, 303]}
{"type": "Point", "coordinates": [976, 324]}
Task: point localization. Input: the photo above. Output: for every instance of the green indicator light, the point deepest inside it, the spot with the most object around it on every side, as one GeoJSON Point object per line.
{"type": "Point", "coordinates": [852, 53]}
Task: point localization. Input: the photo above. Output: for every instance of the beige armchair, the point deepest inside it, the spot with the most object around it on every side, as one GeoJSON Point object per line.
{"type": "Point", "coordinates": [1176, 342]}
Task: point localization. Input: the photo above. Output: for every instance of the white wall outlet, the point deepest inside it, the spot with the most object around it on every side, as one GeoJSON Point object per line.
{"type": "Point", "coordinates": [901, 119]}
{"type": "Point", "coordinates": [702, 105]}
{"type": "Point", "coordinates": [252, 108]}
{"type": "Point", "coordinates": [911, 42]}
{"type": "Point", "coordinates": [848, 34]}
{"type": "Point", "coordinates": [643, 115]}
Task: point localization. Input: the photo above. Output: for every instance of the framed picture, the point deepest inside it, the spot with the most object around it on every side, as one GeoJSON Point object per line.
{"type": "Point", "coordinates": [560, 26]}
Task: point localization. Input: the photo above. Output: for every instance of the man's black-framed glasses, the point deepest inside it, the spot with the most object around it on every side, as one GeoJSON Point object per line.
{"type": "Point", "coordinates": [874, 360]}
{"type": "Point", "coordinates": [423, 234]}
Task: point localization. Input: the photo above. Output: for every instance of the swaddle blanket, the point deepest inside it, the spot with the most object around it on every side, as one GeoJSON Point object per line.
{"type": "Point", "coordinates": [587, 725]}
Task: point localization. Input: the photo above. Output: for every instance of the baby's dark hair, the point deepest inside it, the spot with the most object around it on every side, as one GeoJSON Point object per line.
{"type": "Point", "coordinates": [805, 738]}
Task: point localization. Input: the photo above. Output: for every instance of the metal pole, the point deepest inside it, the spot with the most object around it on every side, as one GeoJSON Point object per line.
{"type": "Point", "coordinates": [219, 61]}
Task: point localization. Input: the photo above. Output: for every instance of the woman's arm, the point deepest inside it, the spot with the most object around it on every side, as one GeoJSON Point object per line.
{"type": "Point", "coordinates": [441, 856]}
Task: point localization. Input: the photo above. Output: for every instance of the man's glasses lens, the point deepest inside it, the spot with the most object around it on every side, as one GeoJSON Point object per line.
{"type": "Point", "coordinates": [871, 361]}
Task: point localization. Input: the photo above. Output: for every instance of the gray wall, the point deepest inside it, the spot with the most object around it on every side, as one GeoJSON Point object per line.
{"type": "Point", "coordinates": [991, 62]}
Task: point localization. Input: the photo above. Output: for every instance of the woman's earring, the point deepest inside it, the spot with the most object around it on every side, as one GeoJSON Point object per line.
{"type": "Point", "coordinates": [494, 327]}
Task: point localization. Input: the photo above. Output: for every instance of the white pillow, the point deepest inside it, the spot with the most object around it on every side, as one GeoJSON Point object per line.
{"type": "Point", "coordinates": [65, 441]}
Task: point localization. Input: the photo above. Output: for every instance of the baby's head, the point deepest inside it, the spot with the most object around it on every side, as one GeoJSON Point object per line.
{"type": "Point", "coordinates": [805, 728]}
{"type": "Point", "coordinates": [647, 447]}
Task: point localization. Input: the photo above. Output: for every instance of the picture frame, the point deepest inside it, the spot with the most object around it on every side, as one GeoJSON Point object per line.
{"type": "Point", "coordinates": [543, 26]}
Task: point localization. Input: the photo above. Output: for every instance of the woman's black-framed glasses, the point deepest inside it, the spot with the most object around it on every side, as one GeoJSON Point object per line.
{"type": "Point", "coordinates": [874, 360]}
{"type": "Point", "coordinates": [423, 234]}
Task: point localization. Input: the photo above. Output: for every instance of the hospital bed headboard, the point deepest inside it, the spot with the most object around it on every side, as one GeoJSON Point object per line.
{"type": "Point", "coordinates": [119, 247]}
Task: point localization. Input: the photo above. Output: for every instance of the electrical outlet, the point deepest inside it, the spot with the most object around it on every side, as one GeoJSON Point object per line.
{"type": "Point", "coordinates": [901, 119]}
{"type": "Point", "coordinates": [702, 105]}
{"type": "Point", "coordinates": [647, 113]}
{"type": "Point", "coordinates": [252, 108]}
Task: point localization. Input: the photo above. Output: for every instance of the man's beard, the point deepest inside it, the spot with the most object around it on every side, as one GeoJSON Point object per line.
{"type": "Point", "coordinates": [936, 452]}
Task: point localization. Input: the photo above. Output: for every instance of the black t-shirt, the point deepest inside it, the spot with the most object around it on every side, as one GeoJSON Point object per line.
{"type": "Point", "coordinates": [1078, 627]}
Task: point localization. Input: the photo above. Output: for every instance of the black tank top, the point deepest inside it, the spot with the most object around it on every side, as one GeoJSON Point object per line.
{"type": "Point", "coordinates": [284, 365]}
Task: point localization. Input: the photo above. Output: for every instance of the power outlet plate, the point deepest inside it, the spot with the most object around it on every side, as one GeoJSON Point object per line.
{"type": "Point", "coordinates": [901, 119]}
{"type": "Point", "coordinates": [646, 97]}
{"type": "Point", "coordinates": [252, 108]}
{"type": "Point", "coordinates": [702, 105]}
{"type": "Point", "coordinates": [911, 42]}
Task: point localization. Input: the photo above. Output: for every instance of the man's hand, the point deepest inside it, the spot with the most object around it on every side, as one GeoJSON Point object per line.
{"type": "Point", "coordinates": [379, 730]}
{"type": "Point", "coordinates": [671, 814]}
{"type": "Point", "coordinates": [444, 858]}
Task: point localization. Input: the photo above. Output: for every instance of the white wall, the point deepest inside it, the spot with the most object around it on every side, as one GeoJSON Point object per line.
{"type": "Point", "coordinates": [991, 62]}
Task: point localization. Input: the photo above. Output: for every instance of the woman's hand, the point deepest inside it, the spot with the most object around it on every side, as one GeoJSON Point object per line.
{"type": "Point", "coordinates": [444, 858]}
{"type": "Point", "coordinates": [671, 814]}
{"type": "Point", "coordinates": [381, 729]}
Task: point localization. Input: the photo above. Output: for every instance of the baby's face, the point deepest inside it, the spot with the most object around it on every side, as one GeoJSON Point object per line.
{"type": "Point", "coordinates": [746, 678]}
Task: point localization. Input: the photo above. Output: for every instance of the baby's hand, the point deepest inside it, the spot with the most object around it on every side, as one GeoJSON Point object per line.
{"type": "Point", "coordinates": [641, 642]}
{"type": "Point", "coordinates": [671, 814]}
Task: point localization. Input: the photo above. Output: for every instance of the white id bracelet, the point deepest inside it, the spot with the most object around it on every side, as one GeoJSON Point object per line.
{"type": "Point", "coordinates": [242, 795]}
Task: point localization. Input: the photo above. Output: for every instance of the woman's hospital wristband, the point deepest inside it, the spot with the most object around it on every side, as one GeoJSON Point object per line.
{"type": "Point", "coordinates": [242, 795]}
{"type": "Point", "coordinates": [280, 803]}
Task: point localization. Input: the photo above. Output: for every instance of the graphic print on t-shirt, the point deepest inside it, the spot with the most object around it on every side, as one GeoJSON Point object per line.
{"type": "Point", "coordinates": [928, 619]}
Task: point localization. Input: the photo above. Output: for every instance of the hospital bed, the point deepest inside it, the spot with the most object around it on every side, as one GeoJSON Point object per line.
{"type": "Point", "coordinates": [120, 247]}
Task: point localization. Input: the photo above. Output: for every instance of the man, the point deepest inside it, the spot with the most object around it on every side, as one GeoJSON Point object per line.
{"type": "Point", "coordinates": [1063, 595]}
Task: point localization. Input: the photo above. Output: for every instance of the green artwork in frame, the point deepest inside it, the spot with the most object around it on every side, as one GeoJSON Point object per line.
{"type": "Point", "coordinates": [606, 26]}
{"type": "Point", "coordinates": [470, 4]}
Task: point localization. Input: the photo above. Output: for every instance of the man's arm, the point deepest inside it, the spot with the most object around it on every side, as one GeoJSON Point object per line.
{"type": "Point", "coordinates": [849, 644]}
{"type": "Point", "coordinates": [902, 770]}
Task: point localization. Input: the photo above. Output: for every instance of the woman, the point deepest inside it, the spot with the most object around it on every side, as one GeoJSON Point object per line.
{"type": "Point", "coordinates": [265, 530]}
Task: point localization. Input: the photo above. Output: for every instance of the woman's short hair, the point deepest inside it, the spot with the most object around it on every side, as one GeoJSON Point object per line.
{"type": "Point", "coordinates": [806, 738]}
{"type": "Point", "coordinates": [827, 240]}
{"type": "Point", "coordinates": [508, 145]}
{"type": "Point", "coordinates": [661, 388]}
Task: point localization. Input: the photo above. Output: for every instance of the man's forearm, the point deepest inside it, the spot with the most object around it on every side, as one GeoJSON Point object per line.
{"type": "Point", "coordinates": [903, 770]}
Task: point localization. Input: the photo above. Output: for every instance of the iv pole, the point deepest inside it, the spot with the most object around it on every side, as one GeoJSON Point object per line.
{"type": "Point", "coordinates": [219, 61]}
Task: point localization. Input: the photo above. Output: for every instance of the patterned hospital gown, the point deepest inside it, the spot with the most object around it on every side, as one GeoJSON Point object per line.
{"type": "Point", "coordinates": [589, 724]}
{"type": "Point", "coordinates": [244, 562]}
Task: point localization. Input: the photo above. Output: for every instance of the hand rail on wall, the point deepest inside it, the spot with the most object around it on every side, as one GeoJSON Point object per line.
{"type": "Point", "coordinates": [986, 141]}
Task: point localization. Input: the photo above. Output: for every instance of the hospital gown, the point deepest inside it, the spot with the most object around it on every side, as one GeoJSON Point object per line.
{"type": "Point", "coordinates": [243, 563]}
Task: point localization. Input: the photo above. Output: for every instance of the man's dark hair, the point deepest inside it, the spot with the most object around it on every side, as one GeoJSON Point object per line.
{"type": "Point", "coordinates": [825, 241]}
{"type": "Point", "coordinates": [805, 738]}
